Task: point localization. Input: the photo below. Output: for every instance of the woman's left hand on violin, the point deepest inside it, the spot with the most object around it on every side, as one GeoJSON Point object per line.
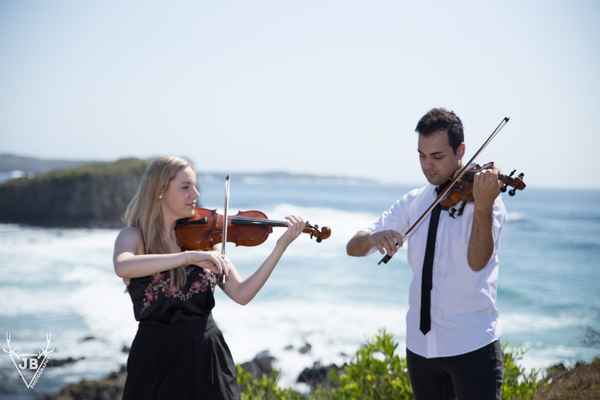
{"type": "Point", "coordinates": [486, 188]}
{"type": "Point", "coordinates": [295, 227]}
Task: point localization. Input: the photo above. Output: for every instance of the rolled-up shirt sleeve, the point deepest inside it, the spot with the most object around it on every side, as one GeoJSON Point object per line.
{"type": "Point", "coordinates": [396, 217]}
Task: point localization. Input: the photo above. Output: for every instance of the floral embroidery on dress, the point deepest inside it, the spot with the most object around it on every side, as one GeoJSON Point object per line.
{"type": "Point", "coordinates": [161, 284]}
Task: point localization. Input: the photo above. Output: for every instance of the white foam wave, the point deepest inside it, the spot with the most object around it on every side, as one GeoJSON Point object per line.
{"type": "Point", "coordinates": [331, 328]}
{"type": "Point", "coordinates": [516, 323]}
{"type": "Point", "coordinates": [515, 216]}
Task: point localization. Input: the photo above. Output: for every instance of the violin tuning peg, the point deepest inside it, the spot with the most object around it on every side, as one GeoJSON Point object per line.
{"type": "Point", "coordinates": [503, 188]}
{"type": "Point", "coordinates": [319, 240]}
{"type": "Point", "coordinates": [521, 175]}
{"type": "Point", "coordinates": [512, 173]}
{"type": "Point", "coordinates": [512, 192]}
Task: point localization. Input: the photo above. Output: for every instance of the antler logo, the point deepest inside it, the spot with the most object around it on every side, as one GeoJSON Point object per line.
{"type": "Point", "coordinates": [29, 365]}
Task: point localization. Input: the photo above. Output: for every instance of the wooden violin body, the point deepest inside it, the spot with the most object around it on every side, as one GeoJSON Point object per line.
{"type": "Point", "coordinates": [462, 191]}
{"type": "Point", "coordinates": [247, 228]}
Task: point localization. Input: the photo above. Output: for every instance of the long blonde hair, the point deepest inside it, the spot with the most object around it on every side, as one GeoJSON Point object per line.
{"type": "Point", "coordinates": [145, 212]}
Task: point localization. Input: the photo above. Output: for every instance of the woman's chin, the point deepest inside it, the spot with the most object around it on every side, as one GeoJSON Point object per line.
{"type": "Point", "coordinates": [187, 213]}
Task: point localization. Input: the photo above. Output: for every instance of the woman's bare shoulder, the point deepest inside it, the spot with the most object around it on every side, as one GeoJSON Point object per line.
{"type": "Point", "coordinates": [130, 237]}
{"type": "Point", "coordinates": [130, 232]}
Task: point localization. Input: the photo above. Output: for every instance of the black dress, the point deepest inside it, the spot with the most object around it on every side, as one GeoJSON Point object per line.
{"type": "Point", "coordinates": [178, 351]}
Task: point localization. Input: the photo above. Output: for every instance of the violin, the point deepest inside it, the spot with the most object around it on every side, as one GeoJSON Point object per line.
{"type": "Point", "coordinates": [462, 190]}
{"type": "Point", "coordinates": [247, 228]}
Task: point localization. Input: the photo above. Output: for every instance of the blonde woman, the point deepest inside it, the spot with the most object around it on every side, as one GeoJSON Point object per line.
{"type": "Point", "coordinates": [178, 351]}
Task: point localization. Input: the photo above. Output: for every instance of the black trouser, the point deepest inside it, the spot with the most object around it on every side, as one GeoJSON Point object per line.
{"type": "Point", "coordinates": [476, 375]}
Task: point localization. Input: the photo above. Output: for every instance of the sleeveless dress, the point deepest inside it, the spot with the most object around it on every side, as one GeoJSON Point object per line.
{"type": "Point", "coordinates": [178, 351]}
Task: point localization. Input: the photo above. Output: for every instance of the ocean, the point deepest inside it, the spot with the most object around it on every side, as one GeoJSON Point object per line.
{"type": "Point", "coordinates": [62, 281]}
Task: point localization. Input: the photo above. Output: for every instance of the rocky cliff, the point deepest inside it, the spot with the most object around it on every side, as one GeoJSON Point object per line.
{"type": "Point", "coordinates": [91, 195]}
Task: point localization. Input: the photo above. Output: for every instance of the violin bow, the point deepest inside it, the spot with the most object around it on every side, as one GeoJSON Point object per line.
{"type": "Point", "coordinates": [385, 259]}
{"type": "Point", "coordinates": [225, 220]}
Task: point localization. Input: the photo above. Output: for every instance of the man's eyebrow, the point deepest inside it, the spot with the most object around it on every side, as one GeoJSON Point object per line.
{"type": "Point", "coordinates": [434, 153]}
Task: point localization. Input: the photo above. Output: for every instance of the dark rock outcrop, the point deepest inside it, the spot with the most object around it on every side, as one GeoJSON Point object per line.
{"type": "Point", "coordinates": [261, 364]}
{"type": "Point", "coordinates": [93, 195]}
{"type": "Point", "coordinates": [305, 348]}
{"type": "Point", "coordinates": [109, 388]}
{"type": "Point", "coordinates": [59, 362]}
{"type": "Point", "coordinates": [317, 375]}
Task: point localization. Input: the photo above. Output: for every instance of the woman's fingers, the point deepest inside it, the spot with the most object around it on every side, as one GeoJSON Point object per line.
{"type": "Point", "coordinates": [227, 267]}
{"type": "Point", "coordinates": [296, 225]}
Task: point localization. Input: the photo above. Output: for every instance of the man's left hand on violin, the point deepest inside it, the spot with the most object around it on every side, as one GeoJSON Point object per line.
{"type": "Point", "coordinates": [486, 188]}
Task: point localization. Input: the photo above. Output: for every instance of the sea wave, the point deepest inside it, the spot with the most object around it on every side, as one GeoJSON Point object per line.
{"type": "Point", "coordinates": [515, 323]}
{"type": "Point", "coordinates": [516, 216]}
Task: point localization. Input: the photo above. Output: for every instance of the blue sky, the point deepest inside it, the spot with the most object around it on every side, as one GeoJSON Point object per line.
{"type": "Point", "coordinates": [332, 87]}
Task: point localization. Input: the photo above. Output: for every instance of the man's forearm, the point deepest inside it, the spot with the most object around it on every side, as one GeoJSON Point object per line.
{"type": "Point", "coordinates": [360, 244]}
{"type": "Point", "coordinates": [481, 242]}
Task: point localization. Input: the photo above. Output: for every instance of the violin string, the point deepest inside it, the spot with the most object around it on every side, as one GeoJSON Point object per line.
{"type": "Point", "coordinates": [262, 221]}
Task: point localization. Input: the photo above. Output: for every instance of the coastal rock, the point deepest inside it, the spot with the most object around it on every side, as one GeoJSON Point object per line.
{"type": "Point", "coordinates": [105, 389]}
{"type": "Point", "coordinates": [59, 362]}
{"type": "Point", "coordinates": [317, 375]}
{"type": "Point", "coordinates": [261, 364]}
{"type": "Point", "coordinates": [582, 382]}
{"type": "Point", "coordinates": [92, 195]}
{"type": "Point", "coordinates": [87, 338]}
{"type": "Point", "coordinates": [305, 349]}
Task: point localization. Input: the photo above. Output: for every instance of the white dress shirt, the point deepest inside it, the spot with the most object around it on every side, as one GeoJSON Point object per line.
{"type": "Point", "coordinates": [463, 302]}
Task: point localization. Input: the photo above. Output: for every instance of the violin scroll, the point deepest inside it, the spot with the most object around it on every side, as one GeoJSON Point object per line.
{"type": "Point", "coordinates": [313, 231]}
{"type": "Point", "coordinates": [516, 183]}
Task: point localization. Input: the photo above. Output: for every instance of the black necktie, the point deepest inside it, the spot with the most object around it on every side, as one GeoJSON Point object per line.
{"type": "Point", "coordinates": [427, 275]}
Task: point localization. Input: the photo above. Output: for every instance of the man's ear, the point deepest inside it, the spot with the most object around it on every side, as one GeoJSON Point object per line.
{"type": "Point", "coordinates": [460, 150]}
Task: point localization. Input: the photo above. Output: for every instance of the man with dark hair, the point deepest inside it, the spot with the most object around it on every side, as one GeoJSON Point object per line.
{"type": "Point", "coordinates": [452, 338]}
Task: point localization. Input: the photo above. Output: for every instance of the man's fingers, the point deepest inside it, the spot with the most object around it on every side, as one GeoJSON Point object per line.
{"type": "Point", "coordinates": [388, 242]}
{"type": "Point", "coordinates": [391, 245]}
{"type": "Point", "coordinates": [399, 238]}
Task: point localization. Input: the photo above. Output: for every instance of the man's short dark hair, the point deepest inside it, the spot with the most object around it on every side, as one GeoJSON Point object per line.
{"type": "Point", "coordinates": [439, 119]}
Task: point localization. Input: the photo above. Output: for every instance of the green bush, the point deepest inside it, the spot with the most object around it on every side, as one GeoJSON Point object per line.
{"type": "Point", "coordinates": [378, 372]}
{"type": "Point", "coordinates": [518, 384]}
{"type": "Point", "coordinates": [265, 387]}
